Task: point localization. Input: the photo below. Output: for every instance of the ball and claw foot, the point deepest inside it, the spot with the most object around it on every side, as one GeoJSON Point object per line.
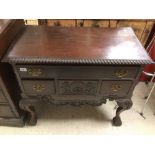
{"type": "Point", "coordinates": [32, 120]}
{"type": "Point", "coordinates": [30, 110]}
{"type": "Point", "coordinates": [123, 104]}
{"type": "Point", "coordinates": [116, 121]}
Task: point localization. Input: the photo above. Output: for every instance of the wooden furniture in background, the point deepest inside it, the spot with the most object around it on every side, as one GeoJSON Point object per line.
{"type": "Point", "coordinates": [76, 66]}
{"type": "Point", "coordinates": [142, 28]}
{"type": "Point", "coordinates": [10, 113]}
{"type": "Point", "coordinates": [31, 22]}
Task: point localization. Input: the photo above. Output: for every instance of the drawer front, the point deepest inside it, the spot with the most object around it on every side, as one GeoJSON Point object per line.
{"type": "Point", "coordinates": [38, 87]}
{"type": "Point", "coordinates": [2, 97]}
{"type": "Point", "coordinates": [5, 111]}
{"type": "Point", "coordinates": [78, 87]}
{"type": "Point", "coordinates": [114, 72]}
{"type": "Point", "coordinates": [120, 88]}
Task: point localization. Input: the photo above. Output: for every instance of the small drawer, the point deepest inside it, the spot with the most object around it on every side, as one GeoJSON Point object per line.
{"type": "Point", "coordinates": [104, 72]}
{"type": "Point", "coordinates": [38, 87]}
{"type": "Point", "coordinates": [120, 88]}
{"type": "Point", "coordinates": [2, 97]}
{"type": "Point", "coordinates": [5, 111]}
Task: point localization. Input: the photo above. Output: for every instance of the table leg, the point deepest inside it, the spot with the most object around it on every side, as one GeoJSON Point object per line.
{"type": "Point", "coordinates": [123, 104]}
{"type": "Point", "coordinates": [28, 106]}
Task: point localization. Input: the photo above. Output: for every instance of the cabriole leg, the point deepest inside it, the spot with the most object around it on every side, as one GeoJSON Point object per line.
{"type": "Point", "coordinates": [29, 107]}
{"type": "Point", "coordinates": [123, 104]}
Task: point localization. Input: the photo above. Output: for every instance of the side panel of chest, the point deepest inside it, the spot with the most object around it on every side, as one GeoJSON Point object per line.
{"type": "Point", "coordinates": [10, 113]}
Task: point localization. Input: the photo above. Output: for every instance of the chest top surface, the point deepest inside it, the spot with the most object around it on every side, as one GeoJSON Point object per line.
{"type": "Point", "coordinates": [77, 45]}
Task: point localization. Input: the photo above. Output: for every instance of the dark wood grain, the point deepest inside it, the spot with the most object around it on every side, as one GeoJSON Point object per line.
{"type": "Point", "coordinates": [78, 43]}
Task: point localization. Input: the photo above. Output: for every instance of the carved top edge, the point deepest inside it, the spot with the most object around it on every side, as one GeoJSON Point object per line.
{"type": "Point", "coordinates": [75, 61]}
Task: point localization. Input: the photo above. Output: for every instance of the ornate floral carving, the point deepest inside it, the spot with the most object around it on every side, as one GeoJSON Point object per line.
{"type": "Point", "coordinates": [47, 99]}
{"type": "Point", "coordinates": [112, 97]}
{"type": "Point", "coordinates": [67, 87]}
{"type": "Point", "coordinates": [79, 102]}
{"type": "Point", "coordinates": [124, 103]}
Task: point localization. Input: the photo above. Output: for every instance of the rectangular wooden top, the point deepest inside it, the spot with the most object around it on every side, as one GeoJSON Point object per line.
{"type": "Point", "coordinates": [77, 45]}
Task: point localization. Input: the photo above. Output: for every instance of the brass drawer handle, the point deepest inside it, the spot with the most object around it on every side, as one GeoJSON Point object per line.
{"type": "Point", "coordinates": [121, 73]}
{"type": "Point", "coordinates": [116, 87]}
{"type": "Point", "coordinates": [34, 71]}
{"type": "Point", "coordinates": [38, 87]}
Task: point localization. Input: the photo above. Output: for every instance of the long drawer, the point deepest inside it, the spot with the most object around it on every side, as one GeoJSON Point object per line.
{"type": "Point", "coordinates": [5, 111]}
{"type": "Point", "coordinates": [104, 72]}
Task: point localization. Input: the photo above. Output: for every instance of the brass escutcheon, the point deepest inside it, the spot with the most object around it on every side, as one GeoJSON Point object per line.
{"type": "Point", "coordinates": [121, 73]}
{"type": "Point", "coordinates": [116, 87]}
{"type": "Point", "coordinates": [38, 87]}
{"type": "Point", "coordinates": [34, 71]}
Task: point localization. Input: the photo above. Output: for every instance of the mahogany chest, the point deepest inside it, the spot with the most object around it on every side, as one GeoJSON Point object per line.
{"type": "Point", "coordinates": [76, 66]}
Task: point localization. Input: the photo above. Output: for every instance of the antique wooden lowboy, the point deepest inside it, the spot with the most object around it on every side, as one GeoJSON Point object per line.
{"type": "Point", "coordinates": [76, 66]}
{"type": "Point", "coordinates": [10, 113]}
